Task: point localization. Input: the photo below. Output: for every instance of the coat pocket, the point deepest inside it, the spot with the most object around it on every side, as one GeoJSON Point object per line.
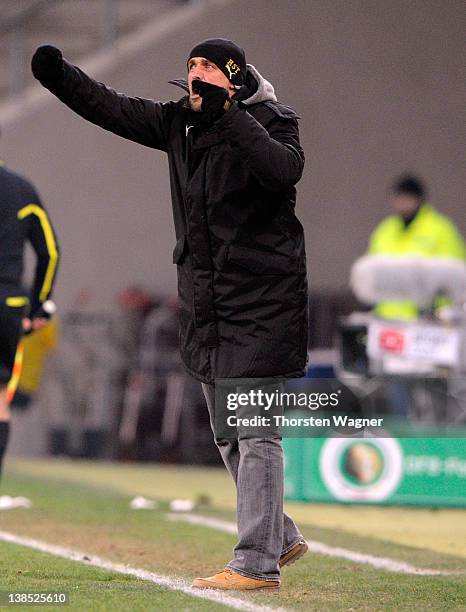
{"type": "Point", "coordinates": [259, 261]}
{"type": "Point", "coordinates": [180, 250]}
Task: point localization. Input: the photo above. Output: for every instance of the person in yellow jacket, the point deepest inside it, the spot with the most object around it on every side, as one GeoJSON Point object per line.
{"type": "Point", "coordinates": [416, 228]}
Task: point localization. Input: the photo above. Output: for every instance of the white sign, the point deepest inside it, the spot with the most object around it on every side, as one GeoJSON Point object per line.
{"type": "Point", "coordinates": [428, 343]}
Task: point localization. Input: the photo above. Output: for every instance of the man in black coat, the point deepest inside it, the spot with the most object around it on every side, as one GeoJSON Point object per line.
{"type": "Point", "coordinates": [234, 158]}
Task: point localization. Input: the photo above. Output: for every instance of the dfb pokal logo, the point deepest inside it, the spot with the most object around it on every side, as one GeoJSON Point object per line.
{"type": "Point", "coordinates": [361, 469]}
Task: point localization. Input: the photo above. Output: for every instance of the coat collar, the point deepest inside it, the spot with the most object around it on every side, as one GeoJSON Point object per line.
{"type": "Point", "coordinates": [256, 89]}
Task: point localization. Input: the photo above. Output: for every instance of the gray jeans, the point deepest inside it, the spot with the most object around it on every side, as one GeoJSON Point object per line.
{"type": "Point", "coordinates": [265, 531]}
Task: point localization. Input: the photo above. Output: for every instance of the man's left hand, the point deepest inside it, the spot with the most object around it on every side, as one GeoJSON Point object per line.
{"type": "Point", "coordinates": [215, 100]}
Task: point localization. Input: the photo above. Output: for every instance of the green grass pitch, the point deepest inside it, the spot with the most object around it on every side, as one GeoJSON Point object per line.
{"type": "Point", "coordinates": [85, 506]}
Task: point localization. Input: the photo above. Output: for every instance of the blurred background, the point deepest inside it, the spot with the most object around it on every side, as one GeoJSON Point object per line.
{"type": "Point", "coordinates": [379, 88]}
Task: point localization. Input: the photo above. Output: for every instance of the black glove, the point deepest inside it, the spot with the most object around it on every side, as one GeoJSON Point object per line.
{"type": "Point", "coordinates": [47, 64]}
{"type": "Point", "coordinates": [215, 100]}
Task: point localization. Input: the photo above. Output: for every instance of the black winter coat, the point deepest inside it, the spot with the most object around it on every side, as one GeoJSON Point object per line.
{"type": "Point", "coordinates": [240, 248]}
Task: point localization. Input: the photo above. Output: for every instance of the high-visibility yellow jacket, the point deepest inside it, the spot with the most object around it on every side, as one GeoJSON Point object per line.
{"type": "Point", "coordinates": [430, 234]}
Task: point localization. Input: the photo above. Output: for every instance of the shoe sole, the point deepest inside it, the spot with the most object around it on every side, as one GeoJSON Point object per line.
{"type": "Point", "coordinates": [297, 555]}
{"type": "Point", "coordinates": [218, 588]}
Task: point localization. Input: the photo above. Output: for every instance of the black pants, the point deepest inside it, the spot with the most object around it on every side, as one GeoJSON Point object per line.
{"type": "Point", "coordinates": [10, 334]}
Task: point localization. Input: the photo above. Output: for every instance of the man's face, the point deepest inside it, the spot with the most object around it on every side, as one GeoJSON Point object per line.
{"type": "Point", "coordinates": [404, 204]}
{"type": "Point", "coordinates": [204, 69]}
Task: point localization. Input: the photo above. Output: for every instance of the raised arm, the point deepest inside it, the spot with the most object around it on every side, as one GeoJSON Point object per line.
{"type": "Point", "coordinates": [143, 121]}
{"type": "Point", "coordinates": [274, 155]}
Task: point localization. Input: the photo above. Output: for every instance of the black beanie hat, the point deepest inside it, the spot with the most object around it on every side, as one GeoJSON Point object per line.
{"type": "Point", "coordinates": [411, 185]}
{"type": "Point", "coordinates": [227, 55]}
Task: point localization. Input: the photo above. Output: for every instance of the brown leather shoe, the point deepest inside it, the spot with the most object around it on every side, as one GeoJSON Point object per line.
{"type": "Point", "coordinates": [294, 554]}
{"type": "Point", "coordinates": [231, 581]}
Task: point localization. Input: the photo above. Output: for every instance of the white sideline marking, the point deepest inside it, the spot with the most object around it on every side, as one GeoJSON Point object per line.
{"type": "Point", "coordinates": [392, 565]}
{"type": "Point", "coordinates": [174, 584]}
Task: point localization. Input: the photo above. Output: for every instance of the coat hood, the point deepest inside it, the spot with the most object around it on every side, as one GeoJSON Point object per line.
{"type": "Point", "coordinates": [256, 88]}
